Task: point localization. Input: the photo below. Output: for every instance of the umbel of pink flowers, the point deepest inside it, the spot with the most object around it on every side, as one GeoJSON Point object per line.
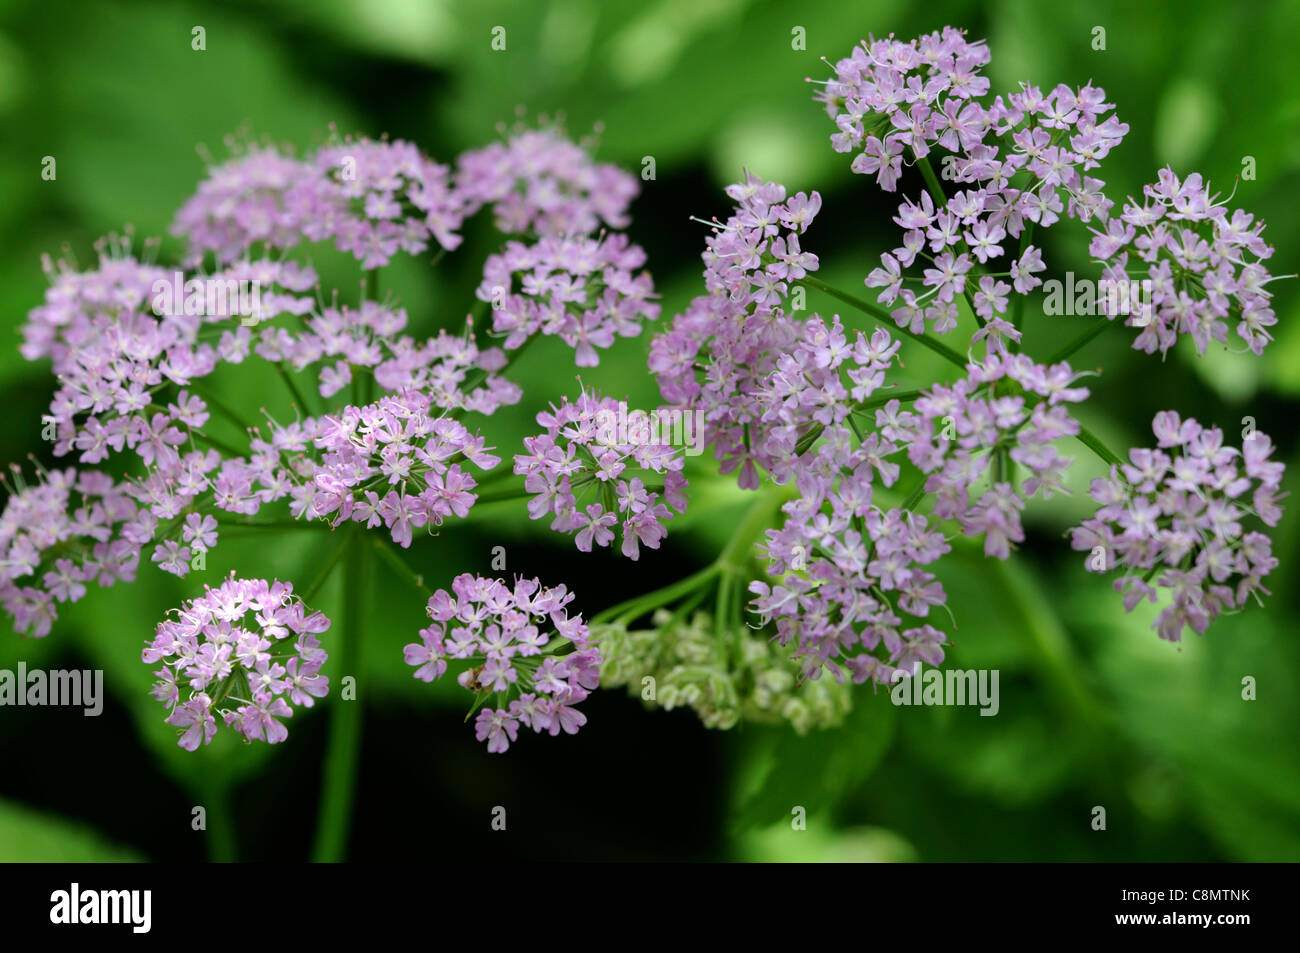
{"type": "Point", "coordinates": [808, 401]}
{"type": "Point", "coordinates": [396, 449]}
{"type": "Point", "coordinates": [878, 479]}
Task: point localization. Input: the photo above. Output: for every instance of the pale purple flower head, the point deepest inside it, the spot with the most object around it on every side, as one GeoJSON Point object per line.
{"type": "Point", "coordinates": [1175, 520]}
{"type": "Point", "coordinates": [894, 100]}
{"type": "Point", "coordinates": [721, 356]}
{"type": "Point", "coordinates": [539, 182]}
{"type": "Point", "coordinates": [1008, 412]}
{"type": "Point", "coordinates": [395, 462]}
{"type": "Point", "coordinates": [585, 291]}
{"type": "Point", "coordinates": [246, 651]}
{"type": "Point", "coordinates": [60, 534]}
{"type": "Point", "coordinates": [373, 199]}
{"type": "Point", "coordinates": [1179, 264]}
{"type": "Point", "coordinates": [511, 638]}
{"type": "Point", "coordinates": [603, 472]}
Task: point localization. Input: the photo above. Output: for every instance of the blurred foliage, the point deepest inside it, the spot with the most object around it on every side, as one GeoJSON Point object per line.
{"type": "Point", "coordinates": [1095, 709]}
{"type": "Point", "coordinates": [29, 837]}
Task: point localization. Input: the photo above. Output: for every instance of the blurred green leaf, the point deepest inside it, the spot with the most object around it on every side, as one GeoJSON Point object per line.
{"type": "Point", "coordinates": [1186, 121]}
{"type": "Point", "coordinates": [820, 843]}
{"type": "Point", "coordinates": [782, 770]}
{"type": "Point", "coordinates": [27, 837]}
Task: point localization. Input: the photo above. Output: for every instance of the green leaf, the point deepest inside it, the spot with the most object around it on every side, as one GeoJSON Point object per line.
{"type": "Point", "coordinates": [1185, 122]}
{"type": "Point", "coordinates": [782, 844]}
{"type": "Point", "coordinates": [782, 771]}
{"type": "Point", "coordinates": [1182, 704]}
{"type": "Point", "coordinates": [29, 837]}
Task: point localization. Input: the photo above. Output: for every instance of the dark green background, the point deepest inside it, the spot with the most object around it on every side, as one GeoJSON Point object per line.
{"type": "Point", "coordinates": [1095, 709]}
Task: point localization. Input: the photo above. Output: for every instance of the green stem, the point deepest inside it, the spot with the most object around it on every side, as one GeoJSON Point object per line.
{"type": "Point", "coordinates": [1093, 443]}
{"type": "Point", "coordinates": [390, 555]}
{"type": "Point", "coordinates": [932, 182]}
{"type": "Point", "coordinates": [1080, 341]}
{"type": "Point", "coordinates": [722, 607]}
{"type": "Point", "coordinates": [343, 749]}
{"type": "Point", "coordinates": [1018, 306]}
{"type": "Point", "coordinates": [740, 547]}
{"type": "Point", "coordinates": [500, 496]}
{"type": "Point", "coordinates": [914, 497]}
{"type": "Point", "coordinates": [902, 396]}
{"type": "Point", "coordinates": [214, 790]}
{"type": "Point", "coordinates": [219, 406]}
{"type": "Point", "coordinates": [1049, 644]}
{"type": "Point", "coordinates": [970, 301]}
{"type": "Point", "coordinates": [270, 524]}
{"type": "Point", "coordinates": [730, 563]}
{"type": "Point", "coordinates": [881, 314]}
{"type": "Point", "coordinates": [333, 560]}
{"type": "Point", "coordinates": [479, 376]}
{"type": "Point", "coordinates": [293, 388]}
{"type": "Point", "coordinates": [365, 393]}
{"type": "Point", "coordinates": [624, 612]}
{"type": "Point", "coordinates": [219, 444]}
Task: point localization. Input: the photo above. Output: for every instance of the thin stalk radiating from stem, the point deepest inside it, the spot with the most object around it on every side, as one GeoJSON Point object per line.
{"type": "Point", "coordinates": [881, 314]}
{"type": "Point", "coordinates": [730, 562]}
{"type": "Point", "coordinates": [328, 569]}
{"type": "Point", "coordinates": [385, 549]}
{"type": "Point", "coordinates": [1018, 305]}
{"type": "Point", "coordinates": [932, 182]}
{"type": "Point", "coordinates": [218, 405]}
{"type": "Point", "coordinates": [230, 524]}
{"type": "Point", "coordinates": [1093, 443]}
{"type": "Point", "coordinates": [219, 444]}
{"type": "Point", "coordinates": [293, 388]}
{"type": "Point", "coordinates": [1080, 341]}
{"type": "Point", "coordinates": [501, 496]}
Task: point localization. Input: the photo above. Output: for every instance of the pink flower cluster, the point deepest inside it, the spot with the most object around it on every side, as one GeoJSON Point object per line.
{"type": "Point", "coordinates": [403, 449]}
{"type": "Point", "coordinates": [814, 390]}
{"type": "Point", "coordinates": [379, 198]}
{"type": "Point", "coordinates": [585, 291]}
{"type": "Point", "coordinates": [339, 340]}
{"type": "Point", "coordinates": [133, 367]}
{"type": "Point", "coordinates": [373, 199]}
{"type": "Point", "coordinates": [512, 638]}
{"type": "Point", "coordinates": [885, 98]}
{"type": "Point", "coordinates": [845, 570]}
{"type": "Point", "coordinates": [81, 526]}
{"type": "Point", "coordinates": [1200, 268]}
{"type": "Point", "coordinates": [890, 98]}
{"type": "Point", "coordinates": [1006, 411]}
{"type": "Point", "coordinates": [1174, 515]}
{"type": "Point", "coordinates": [133, 344]}
{"type": "Point", "coordinates": [720, 354]}
{"type": "Point", "coordinates": [251, 672]}
{"type": "Point", "coordinates": [253, 199]}
{"type": "Point", "coordinates": [112, 351]}
{"type": "Point", "coordinates": [594, 448]}
{"type": "Point", "coordinates": [376, 199]}
{"type": "Point", "coordinates": [539, 182]}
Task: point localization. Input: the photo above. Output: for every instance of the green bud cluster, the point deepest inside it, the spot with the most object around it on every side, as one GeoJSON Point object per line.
{"type": "Point", "coordinates": [742, 677]}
